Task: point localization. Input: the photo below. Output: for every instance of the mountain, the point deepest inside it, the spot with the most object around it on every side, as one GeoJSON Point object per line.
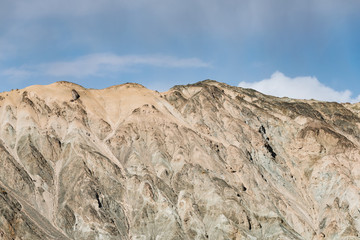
{"type": "Point", "coordinates": [201, 161]}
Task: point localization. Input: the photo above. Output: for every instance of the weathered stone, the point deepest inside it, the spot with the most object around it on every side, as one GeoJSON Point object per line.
{"type": "Point", "coordinates": [75, 95]}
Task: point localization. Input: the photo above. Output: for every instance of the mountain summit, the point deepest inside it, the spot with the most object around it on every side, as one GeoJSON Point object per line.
{"type": "Point", "coordinates": [201, 161]}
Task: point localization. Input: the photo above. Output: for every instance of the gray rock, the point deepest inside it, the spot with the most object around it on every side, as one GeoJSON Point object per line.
{"type": "Point", "coordinates": [75, 95]}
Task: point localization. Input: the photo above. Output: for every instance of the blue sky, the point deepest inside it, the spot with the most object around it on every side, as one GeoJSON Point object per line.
{"type": "Point", "coordinates": [309, 45]}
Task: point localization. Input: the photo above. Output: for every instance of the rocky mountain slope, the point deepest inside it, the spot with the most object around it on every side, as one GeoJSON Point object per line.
{"type": "Point", "coordinates": [202, 161]}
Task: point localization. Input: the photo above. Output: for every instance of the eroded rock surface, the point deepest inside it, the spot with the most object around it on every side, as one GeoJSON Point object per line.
{"type": "Point", "coordinates": [202, 161]}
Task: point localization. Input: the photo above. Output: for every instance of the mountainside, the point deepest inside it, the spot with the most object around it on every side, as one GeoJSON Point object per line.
{"type": "Point", "coordinates": [201, 161]}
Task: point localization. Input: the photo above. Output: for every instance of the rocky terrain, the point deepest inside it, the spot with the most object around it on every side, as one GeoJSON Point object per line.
{"type": "Point", "coordinates": [201, 161]}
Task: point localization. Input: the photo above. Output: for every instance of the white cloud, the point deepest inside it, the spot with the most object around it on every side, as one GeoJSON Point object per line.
{"type": "Point", "coordinates": [299, 87]}
{"type": "Point", "coordinates": [95, 64]}
{"type": "Point", "coordinates": [102, 64]}
{"type": "Point", "coordinates": [16, 73]}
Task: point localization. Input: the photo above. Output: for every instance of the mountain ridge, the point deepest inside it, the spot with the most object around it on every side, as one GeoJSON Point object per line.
{"type": "Point", "coordinates": [199, 161]}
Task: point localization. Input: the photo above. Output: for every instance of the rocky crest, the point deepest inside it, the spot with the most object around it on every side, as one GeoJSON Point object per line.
{"type": "Point", "coordinates": [202, 161]}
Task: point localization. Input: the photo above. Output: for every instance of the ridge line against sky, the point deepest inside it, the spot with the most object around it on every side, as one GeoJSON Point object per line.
{"type": "Point", "coordinates": [161, 43]}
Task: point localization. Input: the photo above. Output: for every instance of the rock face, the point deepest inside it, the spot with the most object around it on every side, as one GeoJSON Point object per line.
{"type": "Point", "coordinates": [202, 161]}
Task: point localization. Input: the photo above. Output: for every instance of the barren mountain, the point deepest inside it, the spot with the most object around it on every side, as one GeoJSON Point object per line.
{"type": "Point", "coordinates": [201, 161]}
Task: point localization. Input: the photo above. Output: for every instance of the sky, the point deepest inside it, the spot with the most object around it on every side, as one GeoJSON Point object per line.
{"type": "Point", "coordinates": [302, 48]}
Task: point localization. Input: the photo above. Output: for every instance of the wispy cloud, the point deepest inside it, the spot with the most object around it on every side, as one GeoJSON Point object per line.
{"type": "Point", "coordinates": [299, 87]}
{"type": "Point", "coordinates": [101, 64]}
{"type": "Point", "coordinates": [16, 73]}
